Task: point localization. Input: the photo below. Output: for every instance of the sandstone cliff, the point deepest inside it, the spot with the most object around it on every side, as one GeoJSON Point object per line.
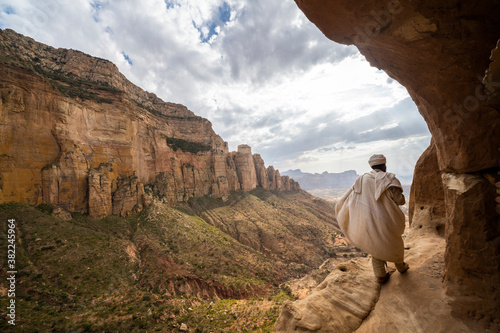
{"type": "Point", "coordinates": [440, 51]}
{"type": "Point", "coordinates": [75, 133]}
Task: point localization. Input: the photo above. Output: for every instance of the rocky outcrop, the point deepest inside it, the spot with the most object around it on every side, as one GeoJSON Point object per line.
{"type": "Point", "coordinates": [473, 225]}
{"type": "Point", "coordinates": [426, 205]}
{"type": "Point", "coordinates": [100, 203]}
{"type": "Point", "coordinates": [261, 171]}
{"type": "Point", "coordinates": [337, 305]}
{"type": "Point", "coordinates": [274, 178]}
{"type": "Point", "coordinates": [245, 168]}
{"type": "Point", "coordinates": [440, 51]}
{"type": "Point", "coordinates": [130, 197]}
{"type": "Point", "coordinates": [75, 133]}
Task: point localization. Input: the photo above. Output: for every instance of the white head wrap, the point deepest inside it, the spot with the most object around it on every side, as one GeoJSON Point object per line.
{"type": "Point", "coordinates": [376, 160]}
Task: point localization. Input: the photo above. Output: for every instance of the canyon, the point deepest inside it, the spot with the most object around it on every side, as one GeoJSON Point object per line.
{"type": "Point", "coordinates": [75, 133]}
{"type": "Point", "coordinates": [120, 198]}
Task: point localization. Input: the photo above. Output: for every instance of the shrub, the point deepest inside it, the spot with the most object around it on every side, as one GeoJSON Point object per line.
{"type": "Point", "coordinates": [186, 146]}
{"type": "Point", "coordinates": [72, 86]}
{"type": "Point", "coordinates": [45, 208]}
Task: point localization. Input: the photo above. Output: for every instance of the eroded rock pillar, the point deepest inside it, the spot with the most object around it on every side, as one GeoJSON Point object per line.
{"type": "Point", "coordinates": [472, 254]}
{"type": "Point", "coordinates": [245, 168]}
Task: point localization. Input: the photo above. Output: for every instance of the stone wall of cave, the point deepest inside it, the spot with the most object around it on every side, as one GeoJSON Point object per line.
{"type": "Point", "coordinates": [441, 51]}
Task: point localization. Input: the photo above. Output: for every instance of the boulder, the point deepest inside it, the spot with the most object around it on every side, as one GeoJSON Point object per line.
{"type": "Point", "coordinates": [61, 214]}
{"type": "Point", "coordinates": [337, 305]}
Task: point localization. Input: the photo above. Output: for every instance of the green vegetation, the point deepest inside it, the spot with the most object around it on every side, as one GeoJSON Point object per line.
{"type": "Point", "coordinates": [135, 274]}
{"type": "Point", "coordinates": [292, 226]}
{"type": "Point", "coordinates": [72, 86]}
{"type": "Point", "coordinates": [187, 146]}
{"type": "Point", "coordinates": [212, 265]}
{"type": "Point", "coordinates": [150, 110]}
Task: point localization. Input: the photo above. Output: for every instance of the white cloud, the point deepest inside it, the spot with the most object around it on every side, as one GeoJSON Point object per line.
{"type": "Point", "coordinates": [258, 69]}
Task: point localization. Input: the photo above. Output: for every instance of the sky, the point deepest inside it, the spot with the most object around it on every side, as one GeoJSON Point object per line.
{"type": "Point", "coordinates": [257, 69]}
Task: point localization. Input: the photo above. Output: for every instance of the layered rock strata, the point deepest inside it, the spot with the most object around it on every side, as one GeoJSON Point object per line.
{"type": "Point", "coordinates": [440, 51]}
{"type": "Point", "coordinates": [75, 133]}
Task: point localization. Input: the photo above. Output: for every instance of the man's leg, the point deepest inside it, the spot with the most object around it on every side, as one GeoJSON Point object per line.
{"type": "Point", "coordinates": [402, 267]}
{"type": "Point", "coordinates": [379, 270]}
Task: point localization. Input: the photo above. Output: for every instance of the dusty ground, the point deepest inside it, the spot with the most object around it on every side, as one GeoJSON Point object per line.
{"type": "Point", "coordinates": [415, 301]}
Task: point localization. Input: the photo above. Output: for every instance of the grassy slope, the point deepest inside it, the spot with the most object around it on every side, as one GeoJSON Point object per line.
{"type": "Point", "coordinates": [163, 267]}
{"type": "Point", "coordinates": [296, 229]}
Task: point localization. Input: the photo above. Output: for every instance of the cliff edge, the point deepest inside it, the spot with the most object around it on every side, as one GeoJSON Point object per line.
{"type": "Point", "coordinates": [75, 133]}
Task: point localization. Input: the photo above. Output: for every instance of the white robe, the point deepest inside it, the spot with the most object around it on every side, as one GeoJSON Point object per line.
{"type": "Point", "coordinates": [370, 218]}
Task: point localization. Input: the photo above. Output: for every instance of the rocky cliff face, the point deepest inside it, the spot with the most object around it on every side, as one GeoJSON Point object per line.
{"type": "Point", "coordinates": [75, 133]}
{"type": "Point", "coordinates": [440, 51]}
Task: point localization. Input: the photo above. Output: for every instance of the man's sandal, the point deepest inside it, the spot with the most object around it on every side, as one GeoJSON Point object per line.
{"type": "Point", "coordinates": [404, 269]}
{"type": "Point", "coordinates": [383, 279]}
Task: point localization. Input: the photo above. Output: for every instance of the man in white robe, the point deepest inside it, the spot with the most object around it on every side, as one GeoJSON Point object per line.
{"type": "Point", "coordinates": [370, 217]}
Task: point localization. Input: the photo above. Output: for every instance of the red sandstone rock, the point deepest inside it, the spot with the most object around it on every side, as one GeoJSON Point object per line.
{"type": "Point", "coordinates": [426, 204]}
{"type": "Point", "coordinates": [130, 197]}
{"type": "Point", "coordinates": [74, 132]}
{"type": "Point", "coordinates": [337, 305]}
{"type": "Point", "coordinates": [261, 171]}
{"type": "Point", "coordinates": [100, 199]}
{"type": "Point", "coordinates": [245, 168]}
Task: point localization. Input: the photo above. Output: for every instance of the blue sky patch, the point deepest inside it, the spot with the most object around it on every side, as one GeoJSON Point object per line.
{"type": "Point", "coordinates": [225, 12]}
{"type": "Point", "coordinates": [97, 6]}
{"type": "Point", "coordinates": [224, 16]}
{"type": "Point", "coordinates": [170, 4]}
{"type": "Point", "coordinates": [211, 31]}
{"type": "Point", "coordinates": [7, 10]}
{"type": "Point", "coordinates": [127, 58]}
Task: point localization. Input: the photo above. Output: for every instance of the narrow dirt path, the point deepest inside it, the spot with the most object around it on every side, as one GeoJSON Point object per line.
{"type": "Point", "coordinates": [416, 302]}
{"type": "Point", "coordinates": [350, 301]}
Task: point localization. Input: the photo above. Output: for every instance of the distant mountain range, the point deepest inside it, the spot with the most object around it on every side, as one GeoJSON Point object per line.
{"type": "Point", "coordinates": [331, 186]}
{"type": "Point", "coordinates": [313, 181]}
